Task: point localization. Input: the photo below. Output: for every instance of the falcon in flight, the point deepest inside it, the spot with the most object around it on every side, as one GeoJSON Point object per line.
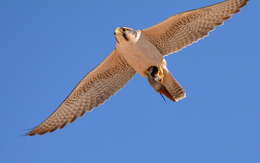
{"type": "Point", "coordinates": [143, 52]}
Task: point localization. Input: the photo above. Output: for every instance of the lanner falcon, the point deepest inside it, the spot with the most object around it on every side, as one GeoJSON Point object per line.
{"type": "Point", "coordinates": [143, 52]}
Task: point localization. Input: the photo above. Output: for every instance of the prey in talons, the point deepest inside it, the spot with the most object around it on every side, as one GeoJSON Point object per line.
{"type": "Point", "coordinates": [164, 83]}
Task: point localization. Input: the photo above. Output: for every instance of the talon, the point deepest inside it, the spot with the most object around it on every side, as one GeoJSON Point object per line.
{"type": "Point", "coordinates": [161, 73]}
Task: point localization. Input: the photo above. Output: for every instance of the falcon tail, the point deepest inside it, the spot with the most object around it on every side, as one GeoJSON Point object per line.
{"type": "Point", "coordinates": [166, 85]}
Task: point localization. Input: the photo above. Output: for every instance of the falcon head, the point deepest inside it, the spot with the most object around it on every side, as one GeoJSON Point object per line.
{"type": "Point", "coordinates": [125, 34]}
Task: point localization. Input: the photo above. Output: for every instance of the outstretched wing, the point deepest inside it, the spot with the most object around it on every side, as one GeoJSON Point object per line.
{"type": "Point", "coordinates": [94, 89]}
{"type": "Point", "coordinates": [183, 29]}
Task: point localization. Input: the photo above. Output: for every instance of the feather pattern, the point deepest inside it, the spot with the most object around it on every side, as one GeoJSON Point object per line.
{"type": "Point", "coordinates": [93, 90]}
{"type": "Point", "coordinates": [183, 29]}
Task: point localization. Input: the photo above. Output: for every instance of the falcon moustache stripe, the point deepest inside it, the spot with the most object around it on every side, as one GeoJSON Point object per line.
{"type": "Point", "coordinates": [125, 37]}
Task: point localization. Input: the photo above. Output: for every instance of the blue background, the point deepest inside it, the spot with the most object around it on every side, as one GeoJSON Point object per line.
{"type": "Point", "coordinates": [46, 47]}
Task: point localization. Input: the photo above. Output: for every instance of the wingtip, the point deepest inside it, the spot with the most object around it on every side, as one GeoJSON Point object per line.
{"type": "Point", "coordinates": [32, 133]}
{"type": "Point", "coordinates": [29, 134]}
{"type": "Point", "coordinates": [38, 131]}
{"type": "Point", "coordinates": [41, 130]}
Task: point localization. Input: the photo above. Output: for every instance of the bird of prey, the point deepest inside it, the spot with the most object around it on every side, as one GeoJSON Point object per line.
{"type": "Point", "coordinates": [142, 52]}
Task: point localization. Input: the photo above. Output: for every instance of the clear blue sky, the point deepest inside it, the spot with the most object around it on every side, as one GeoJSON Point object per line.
{"type": "Point", "coordinates": [46, 47]}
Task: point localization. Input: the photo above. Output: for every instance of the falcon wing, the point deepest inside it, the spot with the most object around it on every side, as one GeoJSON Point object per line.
{"type": "Point", "coordinates": [181, 30]}
{"type": "Point", "coordinates": [93, 90]}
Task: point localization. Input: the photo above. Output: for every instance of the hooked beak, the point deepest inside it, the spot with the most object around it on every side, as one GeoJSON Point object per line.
{"type": "Point", "coordinates": [117, 31]}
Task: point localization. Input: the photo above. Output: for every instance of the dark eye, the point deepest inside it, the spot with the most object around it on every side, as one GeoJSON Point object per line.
{"type": "Point", "coordinates": [124, 29]}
